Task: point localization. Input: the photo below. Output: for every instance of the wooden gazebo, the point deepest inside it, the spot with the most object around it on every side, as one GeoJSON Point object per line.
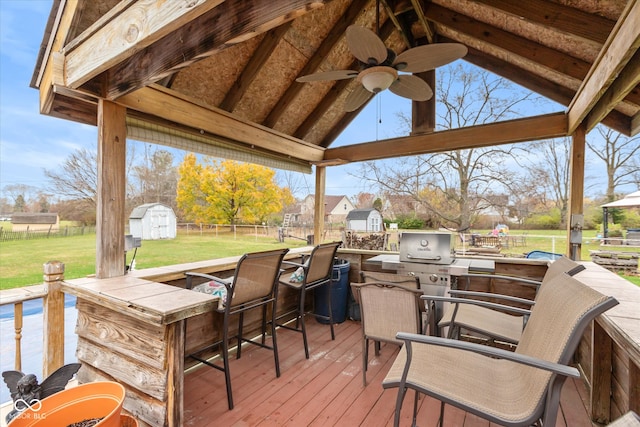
{"type": "Point", "coordinates": [219, 77]}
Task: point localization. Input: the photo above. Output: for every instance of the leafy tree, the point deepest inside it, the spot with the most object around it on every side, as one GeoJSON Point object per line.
{"type": "Point", "coordinates": [228, 192]}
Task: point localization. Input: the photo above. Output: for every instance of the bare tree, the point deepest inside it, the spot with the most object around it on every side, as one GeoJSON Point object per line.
{"type": "Point", "coordinates": [77, 178]}
{"type": "Point", "coordinates": [620, 156]}
{"type": "Point", "coordinates": [296, 182]}
{"type": "Point", "coordinates": [364, 200]}
{"type": "Point", "coordinates": [546, 178]}
{"type": "Point", "coordinates": [452, 185]}
{"type": "Point", "coordinates": [155, 179]}
{"type": "Point", "coordinates": [21, 195]}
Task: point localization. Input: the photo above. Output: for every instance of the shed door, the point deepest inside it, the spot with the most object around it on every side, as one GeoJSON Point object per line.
{"type": "Point", "coordinates": [159, 225]}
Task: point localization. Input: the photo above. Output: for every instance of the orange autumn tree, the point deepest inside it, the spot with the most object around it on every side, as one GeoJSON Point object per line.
{"type": "Point", "coordinates": [228, 192]}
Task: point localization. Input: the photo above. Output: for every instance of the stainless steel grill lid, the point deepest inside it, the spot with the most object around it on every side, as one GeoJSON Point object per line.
{"type": "Point", "coordinates": [432, 248]}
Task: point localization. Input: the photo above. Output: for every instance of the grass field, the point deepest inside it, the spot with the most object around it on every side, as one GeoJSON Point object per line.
{"type": "Point", "coordinates": [21, 261]}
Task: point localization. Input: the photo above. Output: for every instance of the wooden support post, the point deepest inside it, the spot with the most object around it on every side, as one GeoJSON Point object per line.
{"type": "Point", "coordinates": [601, 359]}
{"type": "Point", "coordinates": [175, 375]}
{"type": "Point", "coordinates": [110, 222]}
{"type": "Point", "coordinates": [52, 318]}
{"type": "Point", "coordinates": [423, 113]}
{"type": "Point", "coordinates": [634, 386]}
{"type": "Point", "coordinates": [319, 211]}
{"type": "Point", "coordinates": [576, 189]}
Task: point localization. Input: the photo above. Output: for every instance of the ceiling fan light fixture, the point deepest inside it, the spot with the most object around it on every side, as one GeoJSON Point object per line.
{"type": "Point", "coordinates": [377, 79]}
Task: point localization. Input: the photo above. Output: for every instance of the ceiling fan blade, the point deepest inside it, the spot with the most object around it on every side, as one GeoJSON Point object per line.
{"type": "Point", "coordinates": [358, 96]}
{"type": "Point", "coordinates": [328, 75]}
{"type": "Point", "coordinates": [365, 45]}
{"type": "Point", "coordinates": [428, 57]}
{"type": "Point", "coordinates": [412, 87]}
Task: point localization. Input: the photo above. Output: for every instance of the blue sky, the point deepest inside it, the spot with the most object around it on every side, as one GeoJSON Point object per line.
{"type": "Point", "coordinates": [31, 142]}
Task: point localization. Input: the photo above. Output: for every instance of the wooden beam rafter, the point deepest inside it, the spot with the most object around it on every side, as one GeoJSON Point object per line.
{"type": "Point", "coordinates": [525, 48]}
{"type": "Point", "coordinates": [121, 32]}
{"type": "Point", "coordinates": [158, 101]}
{"type": "Point", "coordinates": [426, 25]}
{"type": "Point", "coordinates": [334, 93]}
{"type": "Point", "coordinates": [403, 29]}
{"type": "Point", "coordinates": [558, 93]}
{"type": "Point", "coordinates": [52, 70]}
{"type": "Point", "coordinates": [624, 83]}
{"type": "Point", "coordinates": [557, 16]}
{"type": "Point", "coordinates": [334, 36]}
{"type": "Point", "coordinates": [170, 39]}
{"type": "Point", "coordinates": [507, 132]}
{"type": "Point", "coordinates": [253, 67]}
{"type": "Point", "coordinates": [620, 47]}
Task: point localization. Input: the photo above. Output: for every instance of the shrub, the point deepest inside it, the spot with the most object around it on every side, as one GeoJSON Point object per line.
{"type": "Point", "coordinates": [545, 221]}
{"type": "Point", "coordinates": [408, 223]}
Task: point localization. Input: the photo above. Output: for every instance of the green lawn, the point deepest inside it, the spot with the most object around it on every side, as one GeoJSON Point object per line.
{"type": "Point", "coordinates": [21, 261]}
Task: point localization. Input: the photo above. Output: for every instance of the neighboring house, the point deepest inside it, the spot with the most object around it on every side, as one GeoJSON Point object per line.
{"type": "Point", "coordinates": [35, 222]}
{"type": "Point", "coordinates": [395, 206]}
{"type": "Point", "coordinates": [335, 211]}
{"type": "Point", "coordinates": [368, 219]}
{"type": "Point", "coordinates": [153, 221]}
{"type": "Point", "coordinates": [294, 214]}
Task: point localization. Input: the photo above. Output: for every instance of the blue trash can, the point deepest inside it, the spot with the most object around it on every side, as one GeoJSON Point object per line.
{"type": "Point", "coordinates": [339, 294]}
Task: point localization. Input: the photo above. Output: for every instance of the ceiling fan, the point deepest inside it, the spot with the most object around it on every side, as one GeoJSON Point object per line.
{"type": "Point", "coordinates": [380, 67]}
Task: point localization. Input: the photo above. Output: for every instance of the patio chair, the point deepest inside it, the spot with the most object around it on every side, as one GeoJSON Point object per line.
{"type": "Point", "coordinates": [316, 270]}
{"type": "Point", "coordinates": [254, 285]}
{"type": "Point", "coordinates": [390, 278]}
{"type": "Point", "coordinates": [411, 282]}
{"type": "Point", "coordinates": [494, 319]}
{"type": "Point", "coordinates": [386, 309]}
{"type": "Point", "coordinates": [509, 388]}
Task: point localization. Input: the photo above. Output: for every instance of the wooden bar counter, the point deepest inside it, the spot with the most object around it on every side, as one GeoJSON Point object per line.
{"type": "Point", "coordinates": [133, 329]}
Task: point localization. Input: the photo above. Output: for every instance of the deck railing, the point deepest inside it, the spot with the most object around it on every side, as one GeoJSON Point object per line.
{"type": "Point", "coordinates": [52, 316]}
{"type": "Point", "coordinates": [607, 399]}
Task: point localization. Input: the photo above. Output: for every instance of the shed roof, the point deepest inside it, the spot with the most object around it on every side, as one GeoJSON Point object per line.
{"type": "Point", "coordinates": [219, 77]}
{"type": "Point", "coordinates": [139, 211]}
{"type": "Point", "coordinates": [360, 214]}
{"type": "Point", "coordinates": [34, 218]}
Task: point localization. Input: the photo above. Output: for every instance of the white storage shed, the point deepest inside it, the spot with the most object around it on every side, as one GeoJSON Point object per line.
{"type": "Point", "coordinates": [152, 221]}
{"type": "Point", "coordinates": [364, 220]}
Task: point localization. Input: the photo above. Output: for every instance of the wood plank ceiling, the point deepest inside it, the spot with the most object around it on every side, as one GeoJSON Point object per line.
{"type": "Point", "coordinates": [224, 70]}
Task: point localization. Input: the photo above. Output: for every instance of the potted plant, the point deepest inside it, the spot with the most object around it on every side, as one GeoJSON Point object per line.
{"type": "Point", "coordinates": [92, 404]}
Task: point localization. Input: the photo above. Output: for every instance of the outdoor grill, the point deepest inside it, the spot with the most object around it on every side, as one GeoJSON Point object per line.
{"type": "Point", "coordinates": [430, 256]}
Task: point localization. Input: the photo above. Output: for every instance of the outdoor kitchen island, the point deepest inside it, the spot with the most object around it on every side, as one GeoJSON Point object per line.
{"type": "Point", "coordinates": [134, 329]}
{"type": "Point", "coordinates": [131, 330]}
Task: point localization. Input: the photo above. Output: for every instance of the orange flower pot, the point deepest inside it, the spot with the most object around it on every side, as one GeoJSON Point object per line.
{"type": "Point", "coordinates": [101, 399]}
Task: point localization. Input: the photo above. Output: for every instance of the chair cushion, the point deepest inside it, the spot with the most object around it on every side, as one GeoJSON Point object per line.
{"type": "Point", "coordinates": [297, 276]}
{"type": "Point", "coordinates": [213, 288]}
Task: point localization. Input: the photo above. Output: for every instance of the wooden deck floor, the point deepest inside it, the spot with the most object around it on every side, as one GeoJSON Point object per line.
{"type": "Point", "coordinates": [325, 390]}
